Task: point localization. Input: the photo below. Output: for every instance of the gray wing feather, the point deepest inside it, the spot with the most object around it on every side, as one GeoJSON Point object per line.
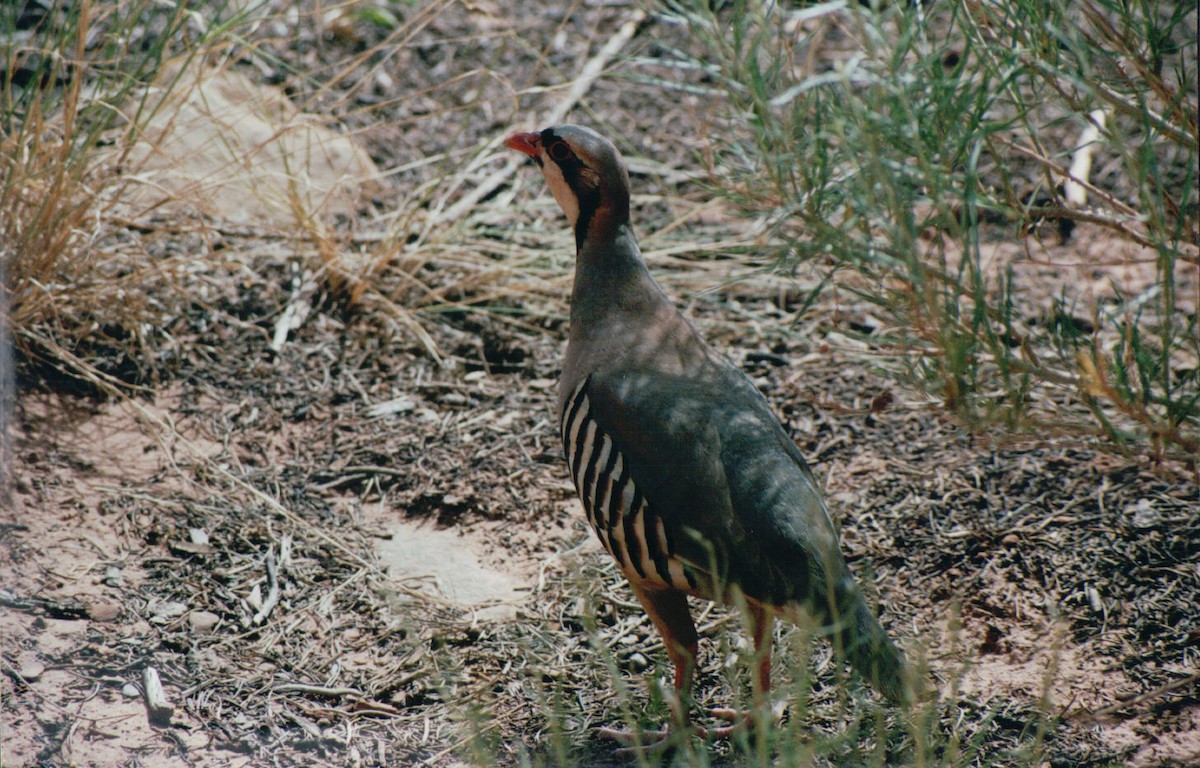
{"type": "Point", "coordinates": [732, 489]}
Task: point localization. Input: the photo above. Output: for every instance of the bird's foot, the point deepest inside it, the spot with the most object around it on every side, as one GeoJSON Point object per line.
{"type": "Point", "coordinates": [646, 742]}
{"type": "Point", "coordinates": [740, 721]}
{"type": "Point", "coordinates": [658, 741]}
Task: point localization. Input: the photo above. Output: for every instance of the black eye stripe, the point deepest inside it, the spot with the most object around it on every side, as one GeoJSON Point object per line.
{"type": "Point", "coordinates": [588, 195]}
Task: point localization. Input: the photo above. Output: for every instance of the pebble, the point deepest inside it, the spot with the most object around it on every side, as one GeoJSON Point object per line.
{"type": "Point", "coordinates": [203, 621]}
{"type": "Point", "coordinates": [31, 669]}
{"type": "Point", "coordinates": [1143, 514]}
{"type": "Point", "coordinates": [163, 611]}
{"type": "Point", "coordinates": [102, 610]}
{"type": "Point", "coordinates": [114, 576]}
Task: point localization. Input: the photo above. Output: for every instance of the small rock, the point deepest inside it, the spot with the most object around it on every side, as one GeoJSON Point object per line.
{"type": "Point", "coordinates": [1011, 540]}
{"type": "Point", "coordinates": [114, 576]}
{"type": "Point", "coordinates": [203, 622]}
{"type": "Point", "coordinates": [130, 691]}
{"type": "Point", "coordinates": [255, 598]}
{"type": "Point", "coordinates": [190, 548]}
{"type": "Point", "coordinates": [102, 610]}
{"type": "Point", "coordinates": [31, 669]}
{"type": "Point", "coordinates": [163, 611]}
{"type": "Point", "coordinates": [638, 662]}
{"type": "Point", "coordinates": [198, 535]}
{"type": "Point", "coordinates": [1143, 514]}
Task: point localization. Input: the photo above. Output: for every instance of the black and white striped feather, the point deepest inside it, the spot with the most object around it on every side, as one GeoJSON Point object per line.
{"type": "Point", "coordinates": [624, 521]}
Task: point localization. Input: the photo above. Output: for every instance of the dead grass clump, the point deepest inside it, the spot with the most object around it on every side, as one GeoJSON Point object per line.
{"type": "Point", "coordinates": [81, 303]}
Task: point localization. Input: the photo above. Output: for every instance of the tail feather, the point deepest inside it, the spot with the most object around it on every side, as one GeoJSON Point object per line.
{"type": "Point", "coordinates": [873, 654]}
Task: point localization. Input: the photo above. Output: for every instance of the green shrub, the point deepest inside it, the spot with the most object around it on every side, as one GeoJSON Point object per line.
{"type": "Point", "coordinates": [908, 147]}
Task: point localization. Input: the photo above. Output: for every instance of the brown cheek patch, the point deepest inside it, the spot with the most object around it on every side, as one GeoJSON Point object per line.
{"type": "Point", "coordinates": [589, 177]}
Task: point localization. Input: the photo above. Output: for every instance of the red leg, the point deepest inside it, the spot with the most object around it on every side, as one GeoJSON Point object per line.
{"type": "Point", "coordinates": [762, 626]}
{"type": "Point", "coordinates": [668, 610]}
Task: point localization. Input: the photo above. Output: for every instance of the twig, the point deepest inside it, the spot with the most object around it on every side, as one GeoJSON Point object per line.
{"type": "Point", "coordinates": [17, 677]}
{"type": "Point", "coordinates": [541, 580]}
{"type": "Point", "coordinates": [591, 71]}
{"type": "Point", "coordinates": [298, 308]}
{"type": "Point", "coordinates": [316, 690]}
{"type": "Point", "coordinates": [405, 317]}
{"type": "Point", "coordinates": [273, 593]}
{"type": "Point", "coordinates": [1162, 690]}
{"type": "Point", "coordinates": [1055, 168]}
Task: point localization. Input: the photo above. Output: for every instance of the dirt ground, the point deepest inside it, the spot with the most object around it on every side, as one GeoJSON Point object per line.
{"type": "Point", "coordinates": [355, 542]}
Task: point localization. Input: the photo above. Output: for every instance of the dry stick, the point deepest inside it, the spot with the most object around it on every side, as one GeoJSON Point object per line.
{"type": "Point", "coordinates": [1143, 698]}
{"type": "Point", "coordinates": [405, 318]}
{"type": "Point", "coordinates": [1123, 227]}
{"type": "Point", "coordinates": [273, 593]}
{"type": "Point", "coordinates": [581, 85]}
{"type": "Point", "coordinates": [587, 77]}
{"type": "Point", "coordinates": [316, 690]}
{"type": "Point", "coordinates": [297, 311]}
{"type": "Point", "coordinates": [1053, 167]}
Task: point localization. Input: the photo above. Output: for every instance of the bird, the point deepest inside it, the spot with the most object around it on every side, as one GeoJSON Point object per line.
{"type": "Point", "coordinates": [685, 473]}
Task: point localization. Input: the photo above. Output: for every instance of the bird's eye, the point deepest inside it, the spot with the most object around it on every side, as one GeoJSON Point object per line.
{"type": "Point", "coordinates": [559, 151]}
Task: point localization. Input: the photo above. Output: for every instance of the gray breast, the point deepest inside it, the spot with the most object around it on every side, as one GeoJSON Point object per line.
{"type": "Point", "coordinates": [622, 517]}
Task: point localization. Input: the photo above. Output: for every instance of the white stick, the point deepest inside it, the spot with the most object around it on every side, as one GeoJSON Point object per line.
{"type": "Point", "coordinates": [1081, 161]}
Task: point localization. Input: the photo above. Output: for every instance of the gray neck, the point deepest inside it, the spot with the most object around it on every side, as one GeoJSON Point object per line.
{"type": "Point", "coordinates": [612, 286]}
{"type": "Point", "coordinates": [618, 312]}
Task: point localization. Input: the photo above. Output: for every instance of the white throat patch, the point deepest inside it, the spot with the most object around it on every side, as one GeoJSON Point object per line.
{"type": "Point", "coordinates": [562, 192]}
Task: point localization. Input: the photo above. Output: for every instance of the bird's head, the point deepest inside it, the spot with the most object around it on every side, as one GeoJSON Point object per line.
{"type": "Point", "coordinates": [585, 173]}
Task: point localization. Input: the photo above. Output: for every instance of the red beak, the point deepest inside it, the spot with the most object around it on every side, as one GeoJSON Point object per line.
{"type": "Point", "coordinates": [524, 142]}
